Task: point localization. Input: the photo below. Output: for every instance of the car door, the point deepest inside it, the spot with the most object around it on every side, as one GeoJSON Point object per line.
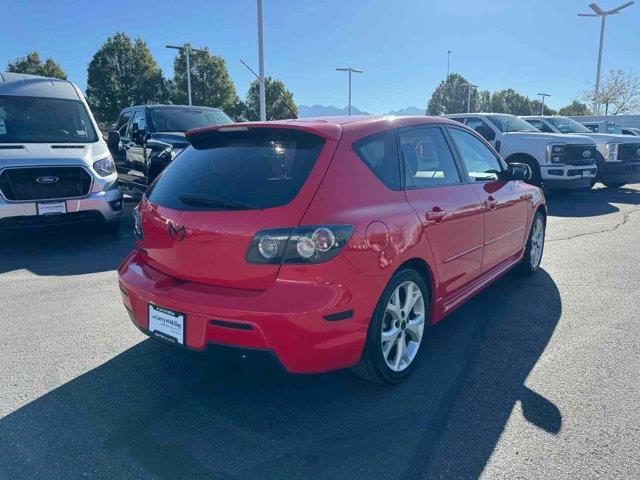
{"type": "Point", "coordinates": [504, 202]}
{"type": "Point", "coordinates": [449, 209]}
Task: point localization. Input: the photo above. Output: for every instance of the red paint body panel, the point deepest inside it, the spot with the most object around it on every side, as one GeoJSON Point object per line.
{"type": "Point", "coordinates": [206, 277]}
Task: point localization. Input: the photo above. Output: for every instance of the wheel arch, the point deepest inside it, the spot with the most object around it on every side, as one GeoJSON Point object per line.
{"type": "Point", "coordinates": [425, 271]}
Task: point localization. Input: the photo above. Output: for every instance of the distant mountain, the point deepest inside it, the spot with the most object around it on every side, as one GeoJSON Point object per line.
{"type": "Point", "coordinates": [404, 112]}
{"type": "Point", "coordinates": [327, 111]}
{"type": "Point", "coordinates": [331, 111]}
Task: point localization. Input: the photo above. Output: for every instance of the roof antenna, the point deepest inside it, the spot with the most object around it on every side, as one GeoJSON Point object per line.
{"type": "Point", "coordinates": [271, 89]}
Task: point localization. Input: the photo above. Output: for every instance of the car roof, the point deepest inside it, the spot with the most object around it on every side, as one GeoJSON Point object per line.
{"type": "Point", "coordinates": [162, 105]}
{"type": "Point", "coordinates": [23, 85]}
{"type": "Point", "coordinates": [454, 115]}
{"type": "Point", "coordinates": [331, 127]}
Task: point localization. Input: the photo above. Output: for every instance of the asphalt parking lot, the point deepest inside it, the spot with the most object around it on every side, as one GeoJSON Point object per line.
{"type": "Point", "coordinates": [534, 378]}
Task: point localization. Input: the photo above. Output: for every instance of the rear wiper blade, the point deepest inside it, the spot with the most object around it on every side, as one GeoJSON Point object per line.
{"type": "Point", "coordinates": [206, 200]}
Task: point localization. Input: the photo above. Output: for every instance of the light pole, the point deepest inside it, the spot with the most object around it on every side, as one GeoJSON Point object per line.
{"type": "Point", "coordinates": [603, 15]}
{"type": "Point", "coordinates": [449, 52]}
{"type": "Point", "coordinates": [543, 95]}
{"type": "Point", "coordinates": [187, 49]}
{"type": "Point", "coordinates": [350, 70]}
{"type": "Point", "coordinates": [263, 99]}
{"type": "Point", "coordinates": [469, 87]}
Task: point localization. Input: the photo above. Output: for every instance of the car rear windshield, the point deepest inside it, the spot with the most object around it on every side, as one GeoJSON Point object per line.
{"type": "Point", "coordinates": [238, 170]}
{"type": "Point", "coordinates": [181, 119]}
{"type": "Point", "coordinates": [44, 120]}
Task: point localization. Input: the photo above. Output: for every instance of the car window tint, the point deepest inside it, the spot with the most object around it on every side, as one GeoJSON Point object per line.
{"type": "Point", "coordinates": [380, 153]}
{"type": "Point", "coordinates": [481, 127]}
{"type": "Point", "coordinates": [427, 158]}
{"type": "Point", "coordinates": [481, 163]}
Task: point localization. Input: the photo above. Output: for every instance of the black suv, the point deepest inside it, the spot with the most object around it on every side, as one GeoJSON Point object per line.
{"type": "Point", "coordinates": [148, 137]}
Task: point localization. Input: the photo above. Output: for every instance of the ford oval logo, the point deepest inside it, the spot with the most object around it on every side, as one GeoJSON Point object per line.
{"type": "Point", "coordinates": [586, 153]}
{"type": "Point", "coordinates": [47, 179]}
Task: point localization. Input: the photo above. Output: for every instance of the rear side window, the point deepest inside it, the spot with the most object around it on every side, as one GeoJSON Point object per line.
{"type": "Point", "coordinates": [428, 161]}
{"type": "Point", "coordinates": [380, 153]}
{"type": "Point", "coordinates": [237, 170]}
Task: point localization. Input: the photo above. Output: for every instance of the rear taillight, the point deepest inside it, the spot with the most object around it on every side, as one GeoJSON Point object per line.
{"type": "Point", "coordinates": [305, 244]}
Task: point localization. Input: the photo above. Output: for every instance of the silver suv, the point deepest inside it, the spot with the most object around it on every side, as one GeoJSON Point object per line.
{"type": "Point", "coordinates": [55, 167]}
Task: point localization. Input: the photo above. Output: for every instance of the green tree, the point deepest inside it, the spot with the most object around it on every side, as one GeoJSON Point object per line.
{"type": "Point", "coordinates": [575, 108]}
{"type": "Point", "coordinates": [32, 65]}
{"type": "Point", "coordinates": [482, 101]}
{"type": "Point", "coordinates": [211, 85]}
{"type": "Point", "coordinates": [536, 108]}
{"type": "Point", "coordinates": [123, 73]}
{"type": "Point", "coordinates": [276, 95]}
{"type": "Point", "coordinates": [450, 96]}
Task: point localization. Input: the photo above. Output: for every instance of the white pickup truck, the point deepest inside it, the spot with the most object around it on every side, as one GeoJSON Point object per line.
{"type": "Point", "coordinates": [618, 156]}
{"type": "Point", "coordinates": [557, 161]}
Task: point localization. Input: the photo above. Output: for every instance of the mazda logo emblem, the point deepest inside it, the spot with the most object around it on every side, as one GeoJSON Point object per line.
{"type": "Point", "coordinates": [586, 153]}
{"type": "Point", "coordinates": [47, 179]}
{"type": "Point", "coordinates": [175, 233]}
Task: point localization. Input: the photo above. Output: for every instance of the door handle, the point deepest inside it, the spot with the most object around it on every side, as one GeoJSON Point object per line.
{"type": "Point", "coordinates": [491, 203]}
{"type": "Point", "coordinates": [436, 215]}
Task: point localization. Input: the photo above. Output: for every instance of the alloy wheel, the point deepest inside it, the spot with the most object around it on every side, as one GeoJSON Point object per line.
{"type": "Point", "coordinates": [403, 326]}
{"type": "Point", "coordinates": [537, 243]}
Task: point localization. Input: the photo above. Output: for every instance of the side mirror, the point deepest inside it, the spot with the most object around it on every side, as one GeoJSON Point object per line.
{"type": "Point", "coordinates": [113, 141]}
{"type": "Point", "coordinates": [518, 171]}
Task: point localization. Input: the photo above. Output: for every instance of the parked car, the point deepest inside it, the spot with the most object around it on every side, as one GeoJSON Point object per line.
{"type": "Point", "coordinates": [631, 131]}
{"type": "Point", "coordinates": [618, 156]}
{"type": "Point", "coordinates": [557, 162]}
{"type": "Point", "coordinates": [55, 167]}
{"type": "Point", "coordinates": [148, 137]}
{"type": "Point", "coordinates": [330, 242]}
{"type": "Point", "coordinates": [603, 126]}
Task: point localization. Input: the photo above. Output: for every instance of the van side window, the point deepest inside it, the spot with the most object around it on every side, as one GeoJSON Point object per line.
{"type": "Point", "coordinates": [427, 158]}
{"type": "Point", "coordinates": [481, 163]}
{"type": "Point", "coordinates": [380, 153]}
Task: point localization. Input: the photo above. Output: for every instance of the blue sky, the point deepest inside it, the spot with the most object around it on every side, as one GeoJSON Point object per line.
{"type": "Point", "coordinates": [531, 46]}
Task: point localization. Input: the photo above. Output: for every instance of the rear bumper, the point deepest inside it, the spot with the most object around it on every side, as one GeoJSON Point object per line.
{"type": "Point", "coordinates": [624, 172]}
{"type": "Point", "coordinates": [288, 319]}
{"type": "Point", "coordinates": [98, 206]}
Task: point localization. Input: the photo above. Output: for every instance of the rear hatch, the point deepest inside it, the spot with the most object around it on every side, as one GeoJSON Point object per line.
{"type": "Point", "coordinates": [199, 217]}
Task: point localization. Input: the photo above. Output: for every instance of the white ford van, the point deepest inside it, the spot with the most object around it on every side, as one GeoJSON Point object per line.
{"type": "Point", "coordinates": [55, 167]}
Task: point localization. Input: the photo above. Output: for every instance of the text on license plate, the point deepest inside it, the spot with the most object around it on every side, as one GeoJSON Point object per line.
{"type": "Point", "coordinates": [167, 324]}
{"type": "Point", "coordinates": [50, 208]}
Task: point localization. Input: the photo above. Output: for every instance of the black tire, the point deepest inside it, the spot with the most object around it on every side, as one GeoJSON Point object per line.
{"type": "Point", "coordinates": [110, 228]}
{"type": "Point", "coordinates": [372, 365]}
{"type": "Point", "coordinates": [527, 266]}
{"type": "Point", "coordinates": [614, 185]}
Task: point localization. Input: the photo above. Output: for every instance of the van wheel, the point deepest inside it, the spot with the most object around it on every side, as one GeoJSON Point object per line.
{"type": "Point", "coordinates": [614, 184]}
{"type": "Point", "coordinates": [530, 263]}
{"type": "Point", "coordinates": [397, 329]}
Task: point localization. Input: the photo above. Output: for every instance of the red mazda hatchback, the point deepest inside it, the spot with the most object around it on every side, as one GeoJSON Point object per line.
{"type": "Point", "coordinates": [330, 242]}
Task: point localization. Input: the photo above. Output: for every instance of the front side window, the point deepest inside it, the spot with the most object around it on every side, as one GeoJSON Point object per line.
{"type": "Point", "coordinates": [44, 120]}
{"type": "Point", "coordinates": [238, 170]}
{"type": "Point", "coordinates": [181, 119]}
{"type": "Point", "coordinates": [593, 127]}
{"type": "Point", "coordinates": [481, 163]}
{"type": "Point", "coordinates": [614, 128]}
{"type": "Point", "coordinates": [140, 119]}
{"type": "Point", "coordinates": [380, 153]}
{"type": "Point", "coordinates": [122, 124]}
{"type": "Point", "coordinates": [482, 128]}
{"type": "Point", "coordinates": [428, 161]}
{"type": "Point", "coordinates": [540, 125]}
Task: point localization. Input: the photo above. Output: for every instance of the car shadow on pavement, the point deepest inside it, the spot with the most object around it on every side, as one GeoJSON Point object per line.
{"type": "Point", "coordinates": [156, 412]}
{"type": "Point", "coordinates": [591, 203]}
{"type": "Point", "coordinates": [71, 250]}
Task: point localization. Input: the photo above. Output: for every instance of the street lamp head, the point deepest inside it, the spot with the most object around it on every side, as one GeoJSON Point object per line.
{"type": "Point", "coordinates": [596, 8]}
{"type": "Point", "coordinates": [349, 69]}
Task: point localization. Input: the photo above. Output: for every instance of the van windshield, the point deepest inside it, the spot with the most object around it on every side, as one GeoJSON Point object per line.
{"type": "Point", "coordinates": [181, 119]}
{"type": "Point", "coordinates": [238, 170]}
{"type": "Point", "coordinates": [44, 120]}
